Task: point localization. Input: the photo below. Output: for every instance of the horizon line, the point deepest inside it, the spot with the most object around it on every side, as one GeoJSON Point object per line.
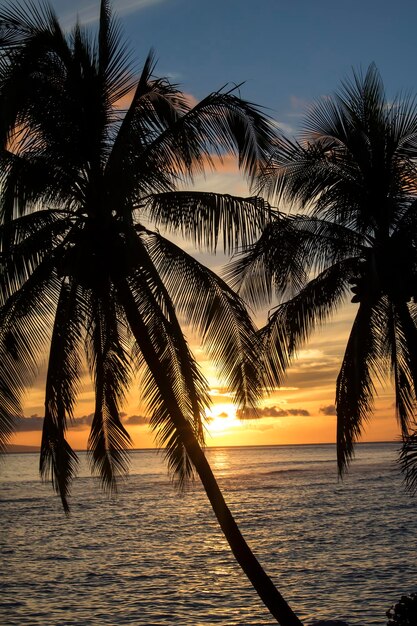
{"type": "Point", "coordinates": [28, 449]}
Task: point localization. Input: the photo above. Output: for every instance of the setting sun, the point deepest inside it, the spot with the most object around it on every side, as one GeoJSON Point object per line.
{"type": "Point", "coordinates": [221, 418]}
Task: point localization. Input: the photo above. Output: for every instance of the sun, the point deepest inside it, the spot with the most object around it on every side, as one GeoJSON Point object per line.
{"type": "Point", "coordinates": [221, 418]}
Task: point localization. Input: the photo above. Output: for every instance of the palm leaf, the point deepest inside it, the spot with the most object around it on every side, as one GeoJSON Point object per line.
{"type": "Point", "coordinates": [192, 394]}
{"type": "Point", "coordinates": [110, 366]}
{"type": "Point", "coordinates": [207, 217]}
{"type": "Point", "coordinates": [406, 389]}
{"type": "Point", "coordinates": [172, 415]}
{"type": "Point", "coordinates": [408, 461]}
{"type": "Point", "coordinates": [291, 323]}
{"type": "Point", "coordinates": [289, 250]}
{"type": "Point", "coordinates": [219, 124]}
{"type": "Point", "coordinates": [355, 389]}
{"type": "Point", "coordinates": [158, 312]}
{"type": "Point", "coordinates": [37, 239]}
{"type": "Point", "coordinates": [209, 306]}
{"type": "Point", "coordinates": [24, 329]}
{"type": "Point", "coordinates": [113, 57]}
{"type": "Point", "coordinates": [57, 459]}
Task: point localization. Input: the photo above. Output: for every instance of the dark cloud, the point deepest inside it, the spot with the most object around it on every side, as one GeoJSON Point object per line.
{"type": "Point", "coordinates": [84, 420]}
{"type": "Point", "coordinates": [27, 424]}
{"type": "Point", "coordinates": [34, 422]}
{"type": "Point", "coordinates": [224, 414]}
{"type": "Point", "coordinates": [135, 420]}
{"type": "Point", "coordinates": [270, 411]}
{"type": "Point", "coordinates": [319, 375]}
{"type": "Point", "coordinates": [330, 409]}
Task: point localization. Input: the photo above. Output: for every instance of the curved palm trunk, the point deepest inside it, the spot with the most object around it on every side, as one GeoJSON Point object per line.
{"type": "Point", "coordinates": [264, 586]}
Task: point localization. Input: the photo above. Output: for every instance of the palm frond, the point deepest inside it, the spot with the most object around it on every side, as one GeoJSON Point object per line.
{"type": "Point", "coordinates": [207, 217]}
{"type": "Point", "coordinates": [24, 329]}
{"type": "Point", "coordinates": [289, 250]}
{"type": "Point", "coordinates": [355, 390]}
{"type": "Point", "coordinates": [23, 20]}
{"type": "Point", "coordinates": [219, 124]}
{"type": "Point", "coordinates": [208, 305]}
{"type": "Point", "coordinates": [164, 385]}
{"type": "Point", "coordinates": [156, 106]}
{"type": "Point", "coordinates": [110, 366]}
{"type": "Point", "coordinates": [291, 323]}
{"type": "Point", "coordinates": [25, 244]}
{"type": "Point", "coordinates": [408, 461]}
{"type": "Point", "coordinates": [406, 366]}
{"type": "Point", "coordinates": [28, 34]}
{"type": "Point", "coordinates": [191, 388]}
{"type": "Point", "coordinates": [113, 56]}
{"type": "Point", "coordinates": [158, 311]}
{"type": "Point", "coordinates": [57, 460]}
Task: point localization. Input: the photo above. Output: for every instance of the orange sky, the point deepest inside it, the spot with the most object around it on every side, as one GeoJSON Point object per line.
{"type": "Point", "coordinates": [300, 412]}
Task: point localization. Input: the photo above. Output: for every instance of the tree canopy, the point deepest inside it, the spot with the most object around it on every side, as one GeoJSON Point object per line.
{"type": "Point", "coordinates": [352, 178]}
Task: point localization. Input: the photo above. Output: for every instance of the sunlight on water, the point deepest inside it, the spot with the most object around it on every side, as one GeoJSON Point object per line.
{"type": "Point", "coordinates": [336, 550]}
{"type": "Point", "coordinates": [219, 460]}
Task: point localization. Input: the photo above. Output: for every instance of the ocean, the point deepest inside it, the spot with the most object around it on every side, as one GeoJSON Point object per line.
{"type": "Point", "coordinates": [151, 556]}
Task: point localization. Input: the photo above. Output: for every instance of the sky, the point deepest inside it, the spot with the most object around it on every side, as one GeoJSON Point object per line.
{"type": "Point", "coordinates": [285, 55]}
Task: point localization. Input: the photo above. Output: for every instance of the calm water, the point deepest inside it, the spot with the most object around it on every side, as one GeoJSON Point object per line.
{"type": "Point", "coordinates": [150, 557]}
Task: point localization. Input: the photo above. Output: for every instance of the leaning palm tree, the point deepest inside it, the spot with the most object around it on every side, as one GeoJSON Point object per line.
{"type": "Point", "coordinates": [83, 273]}
{"type": "Point", "coordinates": [353, 173]}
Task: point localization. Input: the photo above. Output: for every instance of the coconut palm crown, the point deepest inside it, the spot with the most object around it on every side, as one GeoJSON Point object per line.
{"type": "Point", "coordinates": [82, 179]}
{"type": "Point", "coordinates": [353, 172]}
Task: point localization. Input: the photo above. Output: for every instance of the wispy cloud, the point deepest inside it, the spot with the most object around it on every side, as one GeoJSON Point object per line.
{"type": "Point", "coordinates": [270, 411]}
{"type": "Point", "coordinates": [284, 127]}
{"type": "Point", "coordinates": [89, 13]}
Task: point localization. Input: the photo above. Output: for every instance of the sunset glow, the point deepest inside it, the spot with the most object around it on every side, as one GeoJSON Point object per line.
{"type": "Point", "coordinates": [302, 411]}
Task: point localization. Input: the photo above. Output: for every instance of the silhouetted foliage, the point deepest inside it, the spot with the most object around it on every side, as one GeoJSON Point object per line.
{"type": "Point", "coordinates": [408, 461]}
{"type": "Point", "coordinates": [83, 272]}
{"type": "Point", "coordinates": [80, 178]}
{"type": "Point", "coordinates": [353, 174]}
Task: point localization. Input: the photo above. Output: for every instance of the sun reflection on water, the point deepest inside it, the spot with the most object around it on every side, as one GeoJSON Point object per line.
{"type": "Point", "coordinates": [219, 459]}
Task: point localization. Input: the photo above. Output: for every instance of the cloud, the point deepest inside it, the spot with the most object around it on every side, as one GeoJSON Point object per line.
{"type": "Point", "coordinates": [330, 409]}
{"type": "Point", "coordinates": [223, 414]}
{"type": "Point", "coordinates": [35, 423]}
{"type": "Point", "coordinates": [220, 392]}
{"type": "Point", "coordinates": [84, 420]}
{"type": "Point", "coordinates": [135, 420]}
{"type": "Point", "coordinates": [286, 128]}
{"type": "Point", "coordinates": [270, 411]}
{"type": "Point", "coordinates": [27, 424]}
{"type": "Point", "coordinates": [89, 13]}
{"type": "Point", "coordinates": [226, 163]}
{"type": "Point", "coordinates": [276, 389]}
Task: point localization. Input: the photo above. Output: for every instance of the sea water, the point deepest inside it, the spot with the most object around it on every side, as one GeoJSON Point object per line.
{"type": "Point", "coordinates": [150, 556]}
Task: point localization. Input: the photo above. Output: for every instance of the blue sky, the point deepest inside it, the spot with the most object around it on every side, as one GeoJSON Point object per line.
{"type": "Point", "coordinates": [287, 52]}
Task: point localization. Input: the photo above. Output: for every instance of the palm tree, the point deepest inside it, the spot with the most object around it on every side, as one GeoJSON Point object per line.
{"type": "Point", "coordinates": [408, 461]}
{"type": "Point", "coordinates": [353, 173]}
{"type": "Point", "coordinates": [83, 273]}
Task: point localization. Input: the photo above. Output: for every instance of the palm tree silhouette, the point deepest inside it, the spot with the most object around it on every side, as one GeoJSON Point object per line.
{"type": "Point", "coordinates": [82, 272]}
{"type": "Point", "coordinates": [353, 172]}
{"type": "Point", "coordinates": [408, 461]}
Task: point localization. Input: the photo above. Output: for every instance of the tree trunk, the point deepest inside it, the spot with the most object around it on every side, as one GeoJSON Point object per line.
{"type": "Point", "coordinates": [264, 586]}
